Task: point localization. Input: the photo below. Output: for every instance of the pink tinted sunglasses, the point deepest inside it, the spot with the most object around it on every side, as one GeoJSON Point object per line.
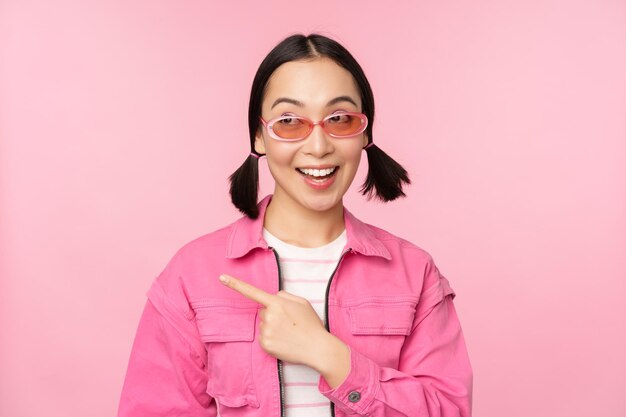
{"type": "Point", "coordinates": [291, 128]}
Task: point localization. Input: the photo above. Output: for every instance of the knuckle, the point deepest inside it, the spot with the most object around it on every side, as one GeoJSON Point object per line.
{"type": "Point", "coordinates": [268, 317]}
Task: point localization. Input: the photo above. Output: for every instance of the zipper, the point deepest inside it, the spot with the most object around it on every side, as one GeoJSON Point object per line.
{"type": "Point", "coordinates": [326, 318]}
{"type": "Point", "coordinates": [279, 363]}
{"type": "Point", "coordinates": [326, 325]}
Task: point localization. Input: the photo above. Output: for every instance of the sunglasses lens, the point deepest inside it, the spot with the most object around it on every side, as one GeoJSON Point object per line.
{"type": "Point", "coordinates": [345, 125]}
{"type": "Point", "coordinates": [291, 128]}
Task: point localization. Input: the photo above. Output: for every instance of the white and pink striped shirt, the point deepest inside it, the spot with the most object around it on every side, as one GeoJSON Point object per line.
{"type": "Point", "coordinates": [305, 272]}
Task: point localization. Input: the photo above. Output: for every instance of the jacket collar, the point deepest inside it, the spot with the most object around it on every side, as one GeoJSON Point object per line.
{"type": "Point", "coordinates": [247, 234]}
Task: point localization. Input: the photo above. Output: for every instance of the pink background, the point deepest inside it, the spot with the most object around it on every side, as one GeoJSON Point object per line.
{"type": "Point", "coordinates": [120, 122]}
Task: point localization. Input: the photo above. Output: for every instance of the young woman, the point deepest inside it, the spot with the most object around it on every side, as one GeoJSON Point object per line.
{"type": "Point", "coordinates": [298, 308]}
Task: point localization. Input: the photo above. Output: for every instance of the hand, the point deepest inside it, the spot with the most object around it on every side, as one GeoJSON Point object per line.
{"type": "Point", "coordinates": [290, 329]}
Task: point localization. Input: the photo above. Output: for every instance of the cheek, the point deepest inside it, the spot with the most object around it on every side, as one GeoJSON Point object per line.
{"type": "Point", "coordinates": [352, 155]}
{"type": "Point", "coordinates": [279, 157]}
{"type": "Point", "coordinates": [352, 162]}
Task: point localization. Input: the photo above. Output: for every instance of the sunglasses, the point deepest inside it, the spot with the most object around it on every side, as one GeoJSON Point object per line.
{"type": "Point", "coordinates": [338, 125]}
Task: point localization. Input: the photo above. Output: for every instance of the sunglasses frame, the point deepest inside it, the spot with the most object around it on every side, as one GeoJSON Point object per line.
{"type": "Point", "coordinates": [270, 124]}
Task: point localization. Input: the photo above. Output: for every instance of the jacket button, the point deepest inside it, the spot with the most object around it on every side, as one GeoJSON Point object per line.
{"type": "Point", "coordinates": [354, 396]}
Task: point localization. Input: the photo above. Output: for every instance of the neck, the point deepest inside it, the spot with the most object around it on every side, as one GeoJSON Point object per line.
{"type": "Point", "coordinates": [301, 226]}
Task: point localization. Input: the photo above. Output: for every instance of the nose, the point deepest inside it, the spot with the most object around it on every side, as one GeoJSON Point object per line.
{"type": "Point", "coordinates": [319, 143]}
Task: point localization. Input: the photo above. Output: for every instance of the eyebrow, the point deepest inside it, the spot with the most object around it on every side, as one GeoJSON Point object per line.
{"type": "Point", "coordinates": [301, 104]}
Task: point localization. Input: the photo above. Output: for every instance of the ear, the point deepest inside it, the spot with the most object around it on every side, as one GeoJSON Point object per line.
{"type": "Point", "coordinates": [259, 142]}
{"type": "Point", "coordinates": [365, 140]}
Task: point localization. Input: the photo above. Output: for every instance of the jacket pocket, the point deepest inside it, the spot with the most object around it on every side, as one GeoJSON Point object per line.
{"type": "Point", "coordinates": [382, 315]}
{"type": "Point", "coordinates": [228, 330]}
{"type": "Point", "coordinates": [379, 325]}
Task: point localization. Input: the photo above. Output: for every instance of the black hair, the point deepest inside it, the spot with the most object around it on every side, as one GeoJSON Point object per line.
{"type": "Point", "coordinates": [384, 176]}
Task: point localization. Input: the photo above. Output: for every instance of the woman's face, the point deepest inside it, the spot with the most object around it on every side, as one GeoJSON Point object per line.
{"type": "Point", "coordinates": [314, 84]}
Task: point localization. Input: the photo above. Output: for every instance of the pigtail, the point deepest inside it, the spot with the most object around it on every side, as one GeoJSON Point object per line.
{"type": "Point", "coordinates": [244, 186]}
{"type": "Point", "coordinates": [384, 175]}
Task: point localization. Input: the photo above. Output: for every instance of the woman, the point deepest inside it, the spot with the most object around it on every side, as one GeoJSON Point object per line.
{"type": "Point", "coordinates": [298, 308]}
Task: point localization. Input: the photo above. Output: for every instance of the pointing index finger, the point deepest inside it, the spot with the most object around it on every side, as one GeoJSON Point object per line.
{"type": "Point", "coordinates": [247, 290]}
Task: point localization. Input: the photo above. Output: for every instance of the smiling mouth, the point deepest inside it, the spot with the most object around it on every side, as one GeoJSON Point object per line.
{"type": "Point", "coordinates": [318, 174]}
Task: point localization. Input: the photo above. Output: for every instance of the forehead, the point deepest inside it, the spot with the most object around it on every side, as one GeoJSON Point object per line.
{"type": "Point", "coordinates": [312, 82]}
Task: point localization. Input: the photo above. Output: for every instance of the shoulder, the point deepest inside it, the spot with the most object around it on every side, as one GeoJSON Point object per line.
{"type": "Point", "coordinates": [413, 262]}
{"type": "Point", "coordinates": [186, 268]}
{"type": "Point", "coordinates": [208, 242]}
{"type": "Point", "coordinates": [398, 244]}
{"type": "Point", "coordinates": [435, 285]}
{"type": "Point", "coordinates": [412, 258]}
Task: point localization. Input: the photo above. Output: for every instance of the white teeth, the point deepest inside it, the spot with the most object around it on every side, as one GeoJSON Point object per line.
{"type": "Point", "coordinates": [317, 172]}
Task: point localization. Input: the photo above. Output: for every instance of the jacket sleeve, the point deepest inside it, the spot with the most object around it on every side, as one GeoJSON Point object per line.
{"type": "Point", "coordinates": [434, 376]}
{"type": "Point", "coordinates": [166, 370]}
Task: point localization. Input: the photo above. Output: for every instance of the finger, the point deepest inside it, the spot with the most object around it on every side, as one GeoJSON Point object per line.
{"type": "Point", "coordinates": [289, 296]}
{"type": "Point", "coordinates": [247, 290]}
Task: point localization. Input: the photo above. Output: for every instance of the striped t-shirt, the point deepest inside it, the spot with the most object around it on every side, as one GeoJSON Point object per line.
{"type": "Point", "coordinates": [305, 272]}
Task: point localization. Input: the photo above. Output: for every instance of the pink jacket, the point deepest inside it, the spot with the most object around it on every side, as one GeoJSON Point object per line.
{"type": "Point", "coordinates": [195, 352]}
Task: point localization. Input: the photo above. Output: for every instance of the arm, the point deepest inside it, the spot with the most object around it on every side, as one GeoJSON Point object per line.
{"type": "Point", "coordinates": [434, 377]}
{"type": "Point", "coordinates": [165, 375]}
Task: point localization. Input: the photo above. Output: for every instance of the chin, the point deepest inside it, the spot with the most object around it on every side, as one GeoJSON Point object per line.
{"type": "Point", "coordinates": [322, 202]}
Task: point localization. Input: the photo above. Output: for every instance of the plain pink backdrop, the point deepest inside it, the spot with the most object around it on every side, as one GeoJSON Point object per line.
{"type": "Point", "coordinates": [120, 122]}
